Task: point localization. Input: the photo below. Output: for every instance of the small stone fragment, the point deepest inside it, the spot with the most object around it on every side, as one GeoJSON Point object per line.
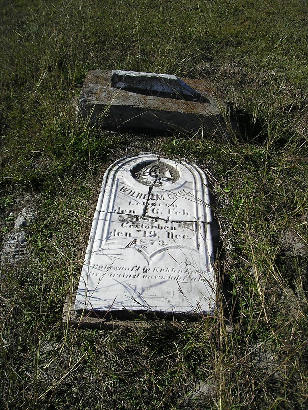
{"type": "Point", "coordinates": [15, 243]}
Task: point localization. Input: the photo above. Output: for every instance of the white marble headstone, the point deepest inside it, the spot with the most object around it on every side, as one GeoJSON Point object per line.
{"type": "Point", "coordinates": [150, 247]}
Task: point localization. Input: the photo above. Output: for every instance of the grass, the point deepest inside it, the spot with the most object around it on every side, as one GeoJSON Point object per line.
{"type": "Point", "coordinates": [254, 353]}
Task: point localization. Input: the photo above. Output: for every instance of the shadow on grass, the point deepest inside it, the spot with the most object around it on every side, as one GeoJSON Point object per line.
{"type": "Point", "coordinates": [225, 298]}
{"type": "Point", "coordinates": [247, 127]}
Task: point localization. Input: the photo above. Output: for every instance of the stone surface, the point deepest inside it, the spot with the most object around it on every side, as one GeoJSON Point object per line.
{"type": "Point", "coordinates": [14, 245]}
{"type": "Point", "coordinates": [162, 85]}
{"type": "Point", "coordinates": [150, 247]}
{"type": "Point", "coordinates": [24, 218]}
{"type": "Point", "coordinates": [149, 101]}
{"type": "Point", "coordinates": [293, 244]}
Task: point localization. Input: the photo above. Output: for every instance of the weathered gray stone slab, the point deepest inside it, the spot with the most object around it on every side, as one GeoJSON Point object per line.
{"type": "Point", "coordinates": [149, 101]}
{"type": "Point", "coordinates": [150, 247]}
{"type": "Point", "coordinates": [162, 85]}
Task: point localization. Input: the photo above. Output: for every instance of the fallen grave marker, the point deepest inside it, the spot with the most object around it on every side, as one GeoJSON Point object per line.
{"type": "Point", "coordinates": [150, 247]}
{"type": "Point", "coordinates": [160, 102]}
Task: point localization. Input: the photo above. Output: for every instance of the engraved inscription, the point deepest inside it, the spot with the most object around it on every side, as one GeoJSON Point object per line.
{"type": "Point", "coordinates": [137, 271]}
{"type": "Point", "coordinates": [181, 194]}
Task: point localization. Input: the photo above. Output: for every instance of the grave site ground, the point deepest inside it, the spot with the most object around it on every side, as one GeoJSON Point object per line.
{"type": "Point", "coordinates": [253, 353]}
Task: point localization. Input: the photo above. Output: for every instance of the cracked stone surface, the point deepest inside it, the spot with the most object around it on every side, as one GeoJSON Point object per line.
{"type": "Point", "coordinates": [150, 247]}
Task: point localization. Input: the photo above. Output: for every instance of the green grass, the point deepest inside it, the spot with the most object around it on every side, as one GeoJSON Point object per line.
{"type": "Point", "coordinates": [254, 353]}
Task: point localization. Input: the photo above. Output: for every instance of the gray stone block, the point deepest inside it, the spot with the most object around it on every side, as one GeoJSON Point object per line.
{"type": "Point", "coordinates": [147, 101]}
